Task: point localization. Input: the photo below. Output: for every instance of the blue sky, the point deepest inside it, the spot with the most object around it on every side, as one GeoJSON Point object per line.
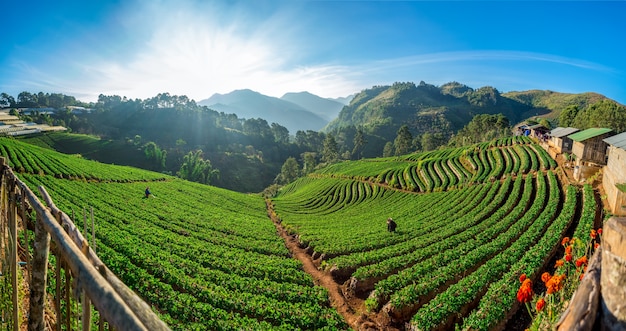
{"type": "Point", "coordinates": [139, 48]}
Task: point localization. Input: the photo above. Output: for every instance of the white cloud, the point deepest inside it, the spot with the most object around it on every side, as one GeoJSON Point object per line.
{"type": "Point", "coordinates": [190, 53]}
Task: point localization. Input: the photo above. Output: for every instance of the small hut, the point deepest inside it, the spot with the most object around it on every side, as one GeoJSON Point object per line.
{"type": "Point", "coordinates": [538, 131]}
{"type": "Point", "coordinates": [560, 141]}
{"type": "Point", "coordinates": [614, 177]}
{"type": "Point", "coordinates": [589, 149]}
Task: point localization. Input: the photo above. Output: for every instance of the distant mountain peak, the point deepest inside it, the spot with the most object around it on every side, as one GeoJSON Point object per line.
{"type": "Point", "coordinates": [247, 103]}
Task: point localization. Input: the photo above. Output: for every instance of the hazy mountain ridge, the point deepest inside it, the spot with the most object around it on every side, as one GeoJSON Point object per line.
{"type": "Point", "coordinates": [251, 104]}
{"type": "Point", "coordinates": [326, 108]}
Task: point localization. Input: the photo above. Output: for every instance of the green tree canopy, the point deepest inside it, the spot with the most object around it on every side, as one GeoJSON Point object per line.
{"type": "Point", "coordinates": [388, 149]}
{"type": "Point", "coordinates": [290, 171]}
{"type": "Point", "coordinates": [482, 127]}
{"type": "Point", "coordinates": [568, 115]}
{"type": "Point", "coordinates": [602, 114]}
{"type": "Point", "coordinates": [403, 141]}
{"type": "Point", "coordinates": [197, 169]}
{"type": "Point", "coordinates": [330, 153]}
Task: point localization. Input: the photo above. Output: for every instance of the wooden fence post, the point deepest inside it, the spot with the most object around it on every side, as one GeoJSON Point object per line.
{"type": "Point", "coordinates": [57, 297]}
{"type": "Point", "coordinates": [25, 218]}
{"type": "Point", "coordinates": [14, 255]}
{"type": "Point", "coordinates": [86, 304]}
{"type": "Point", "coordinates": [38, 286]}
{"type": "Point", "coordinates": [613, 278]}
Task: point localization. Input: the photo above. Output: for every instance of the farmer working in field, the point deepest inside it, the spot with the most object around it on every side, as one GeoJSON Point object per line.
{"type": "Point", "coordinates": [391, 225]}
{"type": "Point", "coordinates": [147, 192]}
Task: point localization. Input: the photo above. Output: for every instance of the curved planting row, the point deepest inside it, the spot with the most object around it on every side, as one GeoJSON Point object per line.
{"type": "Point", "coordinates": [500, 299]}
{"type": "Point", "coordinates": [447, 169]}
{"type": "Point", "coordinates": [29, 159]}
{"type": "Point", "coordinates": [447, 307]}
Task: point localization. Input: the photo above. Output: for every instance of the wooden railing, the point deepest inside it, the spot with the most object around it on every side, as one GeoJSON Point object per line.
{"type": "Point", "coordinates": [86, 278]}
{"type": "Point", "coordinates": [600, 300]}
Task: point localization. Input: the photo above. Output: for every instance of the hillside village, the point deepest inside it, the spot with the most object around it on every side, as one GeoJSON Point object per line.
{"type": "Point", "coordinates": [587, 152]}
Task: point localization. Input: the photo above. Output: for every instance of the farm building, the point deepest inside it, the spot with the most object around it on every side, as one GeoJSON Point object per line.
{"type": "Point", "coordinates": [560, 141]}
{"type": "Point", "coordinates": [13, 126]}
{"type": "Point", "coordinates": [589, 150]}
{"type": "Point", "coordinates": [614, 178]}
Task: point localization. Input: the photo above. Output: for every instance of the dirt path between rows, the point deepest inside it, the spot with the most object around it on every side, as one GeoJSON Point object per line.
{"type": "Point", "coordinates": [352, 309]}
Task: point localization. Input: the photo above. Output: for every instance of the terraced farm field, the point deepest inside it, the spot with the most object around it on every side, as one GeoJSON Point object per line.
{"type": "Point", "coordinates": [470, 221]}
{"type": "Point", "coordinates": [496, 211]}
{"type": "Point", "coordinates": [205, 258]}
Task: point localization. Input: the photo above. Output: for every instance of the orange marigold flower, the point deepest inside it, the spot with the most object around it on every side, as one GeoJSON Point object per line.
{"type": "Point", "coordinates": [545, 277]}
{"type": "Point", "coordinates": [596, 245]}
{"type": "Point", "coordinates": [555, 284]}
{"type": "Point", "coordinates": [593, 234]}
{"type": "Point", "coordinates": [581, 276]}
{"type": "Point", "coordinates": [568, 250]}
{"type": "Point", "coordinates": [572, 241]}
{"type": "Point", "coordinates": [522, 278]}
{"type": "Point", "coordinates": [565, 241]}
{"type": "Point", "coordinates": [568, 257]}
{"type": "Point", "coordinates": [540, 304]}
{"type": "Point", "coordinates": [600, 231]}
{"type": "Point", "coordinates": [582, 261]}
{"type": "Point", "coordinates": [559, 263]}
{"type": "Point", "coordinates": [525, 292]}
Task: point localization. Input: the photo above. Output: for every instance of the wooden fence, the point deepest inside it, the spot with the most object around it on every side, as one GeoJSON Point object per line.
{"type": "Point", "coordinates": [75, 264]}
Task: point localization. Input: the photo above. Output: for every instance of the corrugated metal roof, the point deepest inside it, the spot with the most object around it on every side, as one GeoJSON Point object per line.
{"type": "Point", "coordinates": [618, 140]}
{"type": "Point", "coordinates": [589, 133]}
{"type": "Point", "coordinates": [562, 132]}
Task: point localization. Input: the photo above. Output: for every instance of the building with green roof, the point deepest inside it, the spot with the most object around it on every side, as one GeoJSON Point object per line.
{"type": "Point", "coordinates": [589, 150]}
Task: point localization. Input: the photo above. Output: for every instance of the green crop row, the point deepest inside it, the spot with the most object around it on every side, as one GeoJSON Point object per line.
{"type": "Point", "coordinates": [500, 298]}
{"type": "Point", "coordinates": [443, 309]}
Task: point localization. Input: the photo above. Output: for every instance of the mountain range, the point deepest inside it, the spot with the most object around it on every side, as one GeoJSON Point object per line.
{"type": "Point", "coordinates": [295, 111]}
{"type": "Point", "coordinates": [426, 108]}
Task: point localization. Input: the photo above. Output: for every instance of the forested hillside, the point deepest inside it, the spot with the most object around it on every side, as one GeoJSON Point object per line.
{"type": "Point", "coordinates": [434, 114]}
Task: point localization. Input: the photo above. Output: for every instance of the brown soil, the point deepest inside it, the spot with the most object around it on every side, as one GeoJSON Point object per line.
{"type": "Point", "coordinates": [350, 307]}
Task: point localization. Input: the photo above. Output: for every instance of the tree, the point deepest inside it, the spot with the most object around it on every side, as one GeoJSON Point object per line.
{"type": "Point", "coordinates": [359, 143]}
{"type": "Point", "coordinates": [403, 141]}
{"type": "Point", "coordinates": [388, 149]}
{"type": "Point", "coordinates": [330, 152]}
{"type": "Point", "coordinates": [27, 100]}
{"type": "Point", "coordinates": [6, 100]}
{"type": "Point", "coordinates": [281, 133]}
{"type": "Point", "coordinates": [197, 169]}
{"type": "Point", "coordinates": [309, 161]}
{"type": "Point", "coordinates": [568, 115]}
{"type": "Point", "coordinates": [482, 127]}
{"type": "Point", "coordinates": [290, 171]}
{"type": "Point", "coordinates": [602, 114]}
{"type": "Point", "coordinates": [155, 156]}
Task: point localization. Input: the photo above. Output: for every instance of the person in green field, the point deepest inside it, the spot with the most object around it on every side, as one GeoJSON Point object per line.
{"type": "Point", "coordinates": [148, 193]}
{"type": "Point", "coordinates": [391, 225]}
